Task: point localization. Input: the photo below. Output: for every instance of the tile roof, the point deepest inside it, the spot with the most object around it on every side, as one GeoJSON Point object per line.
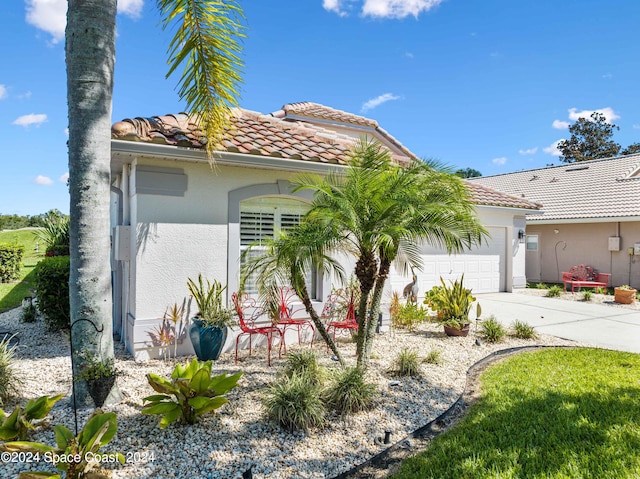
{"type": "Point", "coordinates": [257, 134]}
{"type": "Point", "coordinates": [595, 189]}
{"type": "Point", "coordinates": [321, 112]}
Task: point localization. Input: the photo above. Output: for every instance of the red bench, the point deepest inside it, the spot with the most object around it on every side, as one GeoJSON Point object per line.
{"type": "Point", "coordinates": [584, 276]}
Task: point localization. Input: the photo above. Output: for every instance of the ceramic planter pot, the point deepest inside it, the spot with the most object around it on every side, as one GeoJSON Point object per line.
{"type": "Point", "coordinates": [624, 296]}
{"type": "Point", "coordinates": [99, 389]}
{"type": "Point", "coordinates": [207, 341]}
{"type": "Point", "coordinates": [450, 331]}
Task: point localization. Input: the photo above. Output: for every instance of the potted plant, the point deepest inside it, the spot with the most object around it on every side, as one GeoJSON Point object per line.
{"type": "Point", "coordinates": [624, 294]}
{"type": "Point", "coordinates": [452, 304]}
{"type": "Point", "coordinates": [100, 376]}
{"type": "Point", "coordinates": [208, 330]}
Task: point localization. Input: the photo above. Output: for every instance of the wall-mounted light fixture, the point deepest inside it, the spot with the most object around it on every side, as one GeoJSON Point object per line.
{"type": "Point", "coordinates": [556, 231]}
{"type": "Point", "coordinates": [521, 236]}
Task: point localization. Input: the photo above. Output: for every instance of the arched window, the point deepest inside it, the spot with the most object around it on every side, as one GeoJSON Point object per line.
{"type": "Point", "coordinates": [262, 218]}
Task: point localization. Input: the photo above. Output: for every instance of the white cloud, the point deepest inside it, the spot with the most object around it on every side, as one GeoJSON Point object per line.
{"type": "Point", "coordinates": [3, 92]}
{"type": "Point", "coordinates": [560, 125]}
{"type": "Point", "coordinates": [499, 161]}
{"type": "Point", "coordinates": [335, 6]}
{"type": "Point", "coordinates": [31, 119]}
{"type": "Point", "coordinates": [529, 151]}
{"type": "Point", "coordinates": [408, 54]}
{"type": "Point", "coordinates": [66, 132]}
{"type": "Point", "coordinates": [43, 180]}
{"type": "Point", "coordinates": [637, 127]}
{"type": "Point", "coordinates": [25, 96]}
{"type": "Point", "coordinates": [397, 8]}
{"type": "Point", "coordinates": [607, 76]}
{"type": "Point", "coordinates": [51, 15]}
{"type": "Point", "coordinates": [374, 102]}
{"type": "Point", "coordinates": [608, 113]}
{"type": "Point", "coordinates": [64, 178]}
{"type": "Point", "coordinates": [552, 149]}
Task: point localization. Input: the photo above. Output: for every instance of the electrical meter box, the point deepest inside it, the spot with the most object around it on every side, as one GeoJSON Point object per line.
{"type": "Point", "coordinates": [636, 248]}
{"type": "Point", "coordinates": [614, 243]}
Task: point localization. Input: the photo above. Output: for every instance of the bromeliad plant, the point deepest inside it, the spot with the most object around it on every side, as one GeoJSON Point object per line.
{"type": "Point", "coordinates": [75, 455]}
{"type": "Point", "coordinates": [21, 420]}
{"type": "Point", "coordinates": [196, 393]}
{"type": "Point", "coordinates": [452, 303]}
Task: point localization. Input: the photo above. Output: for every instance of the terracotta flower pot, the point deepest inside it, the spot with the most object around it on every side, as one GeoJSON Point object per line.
{"type": "Point", "coordinates": [451, 331]}
{"type": "Point", "coordinates": [624, 296]}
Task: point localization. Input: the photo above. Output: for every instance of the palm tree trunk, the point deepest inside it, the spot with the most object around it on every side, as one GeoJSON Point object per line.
{"type": "Point", "coordinates": [90, 57]}
{"type": "Point", "coordinates": [383, 273]}
{"type": "Point", "coordinates": [366, 273]}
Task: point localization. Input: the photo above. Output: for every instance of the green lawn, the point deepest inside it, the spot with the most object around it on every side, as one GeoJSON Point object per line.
{"type": "Point", "coordinates": [550, 414]}
{"type": "Point", "coordinates": [11, 294]}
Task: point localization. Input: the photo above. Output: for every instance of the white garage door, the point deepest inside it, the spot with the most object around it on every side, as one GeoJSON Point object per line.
{"type": "Point", "coordinates": [484, 268]}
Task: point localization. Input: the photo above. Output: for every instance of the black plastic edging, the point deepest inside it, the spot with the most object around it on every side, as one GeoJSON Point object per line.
{"type": "Point", "coordinates": [420, 432]}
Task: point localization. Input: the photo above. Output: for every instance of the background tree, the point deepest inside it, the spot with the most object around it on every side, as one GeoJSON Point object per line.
{"type": "Point", "coordinates": [206, 44]}
{"type": "Point", "coordinates": [631, 149]}
{"type": "Point", "coordinates": [590, 140]}
{"type": "Point", "coordinates": [468, 173]}
{"type": "Point", "coordinates": [380, 212]}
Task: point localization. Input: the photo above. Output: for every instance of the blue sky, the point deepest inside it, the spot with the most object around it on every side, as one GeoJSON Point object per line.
{"type": "Point", "coordinates": [490, 85]}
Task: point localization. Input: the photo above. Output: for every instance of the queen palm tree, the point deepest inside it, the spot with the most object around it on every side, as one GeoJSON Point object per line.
{"type": "Point", "coordinates": [206, 44]}
{"type": "Point", "coordinates": [384, 211]}
{"type": "Point", "coordinates": [286, 258]}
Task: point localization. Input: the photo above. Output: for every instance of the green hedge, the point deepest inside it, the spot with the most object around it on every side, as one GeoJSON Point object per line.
{"type": "Point", "coordinates": [10, 261]}
{"type": "Point", "coordinates": [52, 291]}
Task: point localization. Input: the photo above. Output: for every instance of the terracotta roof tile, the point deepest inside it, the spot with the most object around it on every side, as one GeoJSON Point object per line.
{"type": "Point", "coordinates": [606, 188]}
{"type": "Point", "coordinates": [322, 112]}
{"type": "Point", "coordinates": [483, 195]}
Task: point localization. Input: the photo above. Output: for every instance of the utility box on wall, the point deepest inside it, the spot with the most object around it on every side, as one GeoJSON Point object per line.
{"type": "Point", "coordinates": [122, 242]}
{"type": "Point", "coordinates": [636, 249]}
{"type": "Point", "coordinates": [614, 243]}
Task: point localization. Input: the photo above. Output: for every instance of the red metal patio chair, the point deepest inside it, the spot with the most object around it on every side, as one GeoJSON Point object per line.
{"type": "Point", "coordinates": [285, 319]}
{"type": "Point", "coordinates": [243, 303]}
{"type": "Point", "coordinates": [341, 300]}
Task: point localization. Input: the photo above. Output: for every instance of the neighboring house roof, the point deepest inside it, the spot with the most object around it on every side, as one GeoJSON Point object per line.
{"type": "Point", "coordinates": [587, 190]}
{"type": "Point", "coordinates": [281, 135]}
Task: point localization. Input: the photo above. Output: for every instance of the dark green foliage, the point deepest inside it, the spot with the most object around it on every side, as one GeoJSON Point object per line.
{"type": "Point", "coordinates": [29, 313]}
{"type": "Point", "coordinates": [295, 402]}
{"type": "Point", "coordinates": [350, 392]}
{"type": "Point", "coordinates": [407, 363]}
{"type": "Point", "coordinates": [492, 330]}
{"type": "Point", "coordinates": [468, 173]}
{"type": "Point", "coordinates": [523, 330]}
{"type": "Point", "coordinates": [554, 292]}
{"type": "Point", "coordinates": [10, 261]}
{"type": "Point", "coordinates": [304, 362]}
{"type": "Point", "coordinates": [55, 235]}
{"type": "Point", "coordinates": [52, 290]}
{"type": "Point", "coordinates": [9, 381]}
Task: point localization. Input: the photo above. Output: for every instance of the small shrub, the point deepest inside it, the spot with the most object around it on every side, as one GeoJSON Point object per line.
{"type": "Point", "coordinates": [10, 382]}
{"type": "Point", "coordinates": [586, 295]}
{"type": "Point", "coordinates": [541, 286]}
{"type": "Point", "coordinates": [94, 367]}
{"type": "Point", "coordinates": [407, 363]}
{"type": "Point", "coordinates": [554, 292]}
{"type": "Point", "coordinates": [196, 393]}
{"type": "Point", "coordinates": [409, 315]}
{"type": "Point", "coordinates": [350, 392]}
{"type": "Point", "coordinates": [29, 313]}
{"type": "Point", "coordinates": [492, 330]}
{"type": "Point", "coordinates": [394, 307]}
{"type": "Point", "coordinates": [600, 290]}
{"type": "Point", "coordinates": [52, 290]}
{"type": "Point", "coordinates": [55, 235]}
{"type": "Point", "coordinates": [304, 362]}
{"type": "Point", "coordinates": [523, 330]}
{"type": "Point", "coordinates": [433, 357]}
{"type": "Point", "coordinates": [10, 261]}
{"type": "Point", "coordinates": [295, 403]}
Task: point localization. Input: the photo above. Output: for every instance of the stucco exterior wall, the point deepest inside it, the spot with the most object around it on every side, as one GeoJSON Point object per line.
{"type": "Point", "coordinates": [586, 243]}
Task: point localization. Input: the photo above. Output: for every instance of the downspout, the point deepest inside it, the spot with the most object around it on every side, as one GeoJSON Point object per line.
{"type": "Point", "coordinates": [126, 273]}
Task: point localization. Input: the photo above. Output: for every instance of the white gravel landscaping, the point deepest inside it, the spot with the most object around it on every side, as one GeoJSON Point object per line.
{"type": "Point", "coordinates": [226, 443]}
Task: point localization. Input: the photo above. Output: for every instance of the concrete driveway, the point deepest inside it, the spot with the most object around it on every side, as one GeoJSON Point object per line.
{"type": "Point", "coordinates": [600, 325]}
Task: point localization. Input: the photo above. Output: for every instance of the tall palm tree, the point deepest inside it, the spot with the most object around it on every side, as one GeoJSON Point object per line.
{"type": "Point", "coordinates": [206, 44]}
{"type": "Point", "coordinates": [286, 258]}
{"type": "Point", "coordinates": [384, 211]}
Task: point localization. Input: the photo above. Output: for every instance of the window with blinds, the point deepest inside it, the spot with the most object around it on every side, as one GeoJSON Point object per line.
{"type": "Point", "coordinates": [263, 218]}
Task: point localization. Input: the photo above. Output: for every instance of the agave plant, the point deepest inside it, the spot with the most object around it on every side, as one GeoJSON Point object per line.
{"type": "Point", "coordinates": [195, 392]}
{"type": "Point", "coordinates": [20, 421]}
